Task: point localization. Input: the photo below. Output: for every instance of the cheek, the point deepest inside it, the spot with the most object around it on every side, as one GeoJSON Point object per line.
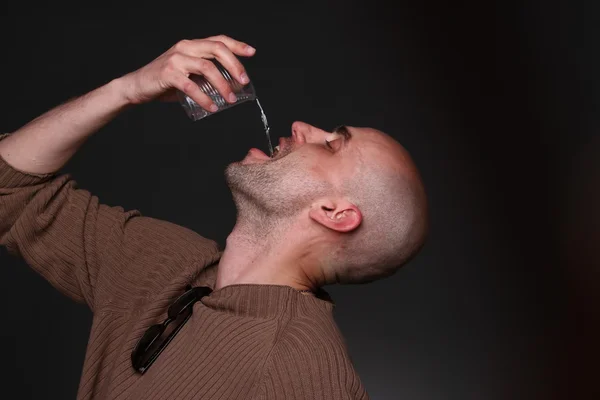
{"type": "Point", "coordinates": [304, 173]}
{"type": "Point", "coordinates": [317, 164]}
{"type": "Point", "coordinates": [325, 169]}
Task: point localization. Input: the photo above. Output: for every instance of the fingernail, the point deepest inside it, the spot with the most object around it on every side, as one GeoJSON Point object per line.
{"type": "Point", "coordinates": [244, 78]}
{"type": "Point", "coordinates": [250, 49]}
{"type": "Point", "coordinates": [214, 108]}
{"type": "Point", "coordinates": [232, 97]}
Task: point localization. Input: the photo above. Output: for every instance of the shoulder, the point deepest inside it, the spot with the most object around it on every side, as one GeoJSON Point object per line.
{"type": "Point", "coordinates": [146, 255]}
{"type": "Point", "coordinates": [315, 333]}
{"type": "Point", "coordinates": [319, 342]}
{"type": "Point", "coordinates": [311, 357]}
{"type": "Point", "coordinates": [146, 235]}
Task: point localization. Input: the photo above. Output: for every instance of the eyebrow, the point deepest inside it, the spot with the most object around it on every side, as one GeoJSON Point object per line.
{"type": "Point", "coordinates": [343, 130]}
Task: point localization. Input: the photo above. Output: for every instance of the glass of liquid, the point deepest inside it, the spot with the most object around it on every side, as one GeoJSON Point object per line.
{"type": "Point", "coordinates": [243, 93]}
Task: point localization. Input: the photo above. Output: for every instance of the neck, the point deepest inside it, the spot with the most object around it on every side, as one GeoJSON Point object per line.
{"type": "Point", "coordinates": [266, 255]}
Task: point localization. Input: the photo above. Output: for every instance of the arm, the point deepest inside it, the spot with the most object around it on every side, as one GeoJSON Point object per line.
{"type": "Point", "coordinates": [45, 144]}
{"type": "Point", "coordinates": [64, 233]}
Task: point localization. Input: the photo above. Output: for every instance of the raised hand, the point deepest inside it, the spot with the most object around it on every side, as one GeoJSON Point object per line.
{"type": "Point", "coordinates": [171, 71]}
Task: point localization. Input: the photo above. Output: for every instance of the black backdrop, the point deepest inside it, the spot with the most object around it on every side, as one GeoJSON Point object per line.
{"type": "Point", "coordinates": [497, 103]}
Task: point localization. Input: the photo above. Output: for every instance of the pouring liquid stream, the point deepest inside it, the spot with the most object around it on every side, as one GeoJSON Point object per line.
{"type": "Point", "coordinates": [263, 117]}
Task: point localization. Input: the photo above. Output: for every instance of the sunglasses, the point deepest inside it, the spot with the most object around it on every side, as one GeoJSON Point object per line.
{"type": "Point", "coordinates": [155, 340]}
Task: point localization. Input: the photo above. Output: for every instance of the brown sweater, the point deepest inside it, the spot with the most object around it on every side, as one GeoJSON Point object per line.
{"type": "Point", "coordinates": [242, 341]}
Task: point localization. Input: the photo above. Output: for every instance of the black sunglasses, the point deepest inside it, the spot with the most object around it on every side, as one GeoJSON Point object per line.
{"type": "Point", "coordinates": [148, 348]}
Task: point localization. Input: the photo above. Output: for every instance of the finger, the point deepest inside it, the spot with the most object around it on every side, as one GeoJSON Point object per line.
{"type": "Point", "coordinates": [224, 55]}
{"type": "Point", "coordinates": [236, 47]}
{"type": "Point", "coordinates": [202, 66]}
{"type": "Point", "coordinates": [213, 48]}
{"type": "Point", "coordinates": [187, 86]}
{"type": "Point", "coordinates": [196, 47]}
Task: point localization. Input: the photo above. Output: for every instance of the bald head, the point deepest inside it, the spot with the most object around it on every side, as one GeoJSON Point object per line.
{"type": "Point", "coordinates": [387, 188]}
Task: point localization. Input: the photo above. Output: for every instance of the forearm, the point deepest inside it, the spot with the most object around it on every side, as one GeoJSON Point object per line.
{"type": "Point", "coordinates": [45, 144]}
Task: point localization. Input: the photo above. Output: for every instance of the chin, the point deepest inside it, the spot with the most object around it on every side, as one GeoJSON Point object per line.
{"type": "Point", "coordinates": [246, 180]}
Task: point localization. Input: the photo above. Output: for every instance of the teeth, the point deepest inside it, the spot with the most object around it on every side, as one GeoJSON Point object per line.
{"type": "Point", "coordinates": [275, 151]}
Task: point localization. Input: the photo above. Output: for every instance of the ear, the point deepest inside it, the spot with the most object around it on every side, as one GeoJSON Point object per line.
{"type": "Point", "coordinates": [339, 215]}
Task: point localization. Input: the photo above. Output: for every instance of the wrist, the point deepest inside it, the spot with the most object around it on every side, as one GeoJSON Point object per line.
{"type": "Point", "coordinates": [120, 89]}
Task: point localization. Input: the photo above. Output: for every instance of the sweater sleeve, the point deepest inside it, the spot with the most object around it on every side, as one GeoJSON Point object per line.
{"type": "Point", "coordinates": [308, 365]}
{"type": "Point", "coordinates": [91, 252]}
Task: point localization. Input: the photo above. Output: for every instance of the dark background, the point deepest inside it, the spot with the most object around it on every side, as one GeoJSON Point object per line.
{"type": "Point", "coordinates": [496, 102]}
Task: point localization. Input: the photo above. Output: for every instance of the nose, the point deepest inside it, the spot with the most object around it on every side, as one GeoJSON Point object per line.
{"type": "Point", "coordinates": [303, 132]}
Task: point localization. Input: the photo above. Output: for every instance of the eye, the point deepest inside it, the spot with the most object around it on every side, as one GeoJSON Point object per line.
{"type": "Point", "coordinates": [329, 145]}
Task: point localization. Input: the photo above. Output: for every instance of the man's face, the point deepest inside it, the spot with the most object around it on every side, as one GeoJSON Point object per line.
{"type": "Point", "coordinates": [310, 164]}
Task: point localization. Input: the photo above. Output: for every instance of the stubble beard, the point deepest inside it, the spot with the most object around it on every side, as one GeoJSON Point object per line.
{"type": "Point", "coordinates": [270, 196]}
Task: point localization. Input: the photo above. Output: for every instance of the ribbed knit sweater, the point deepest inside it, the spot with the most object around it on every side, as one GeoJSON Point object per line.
{"type": "Point", "coordinates": [242, 341]}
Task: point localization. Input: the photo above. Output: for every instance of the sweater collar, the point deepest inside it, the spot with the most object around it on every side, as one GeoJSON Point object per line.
{"type": "Point", "coordinates": [267, 301]}
{"type": "Point", "coordinates": [260, 300]}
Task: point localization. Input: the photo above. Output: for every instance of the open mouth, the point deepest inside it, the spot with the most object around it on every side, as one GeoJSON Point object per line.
{"type": "Point", "coordinates": [283, 148]}
{"type": "Point", "coordinates": [279, 151]}
{"type": "Point", "coordinates": [275, 151]}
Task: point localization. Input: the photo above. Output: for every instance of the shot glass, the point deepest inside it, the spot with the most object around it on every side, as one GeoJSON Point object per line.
{"type": "Point", "coordinates": [243, 93]}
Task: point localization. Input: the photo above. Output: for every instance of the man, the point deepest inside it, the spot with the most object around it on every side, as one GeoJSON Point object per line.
{"type": "Point", "coordinates": [330, 207]}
